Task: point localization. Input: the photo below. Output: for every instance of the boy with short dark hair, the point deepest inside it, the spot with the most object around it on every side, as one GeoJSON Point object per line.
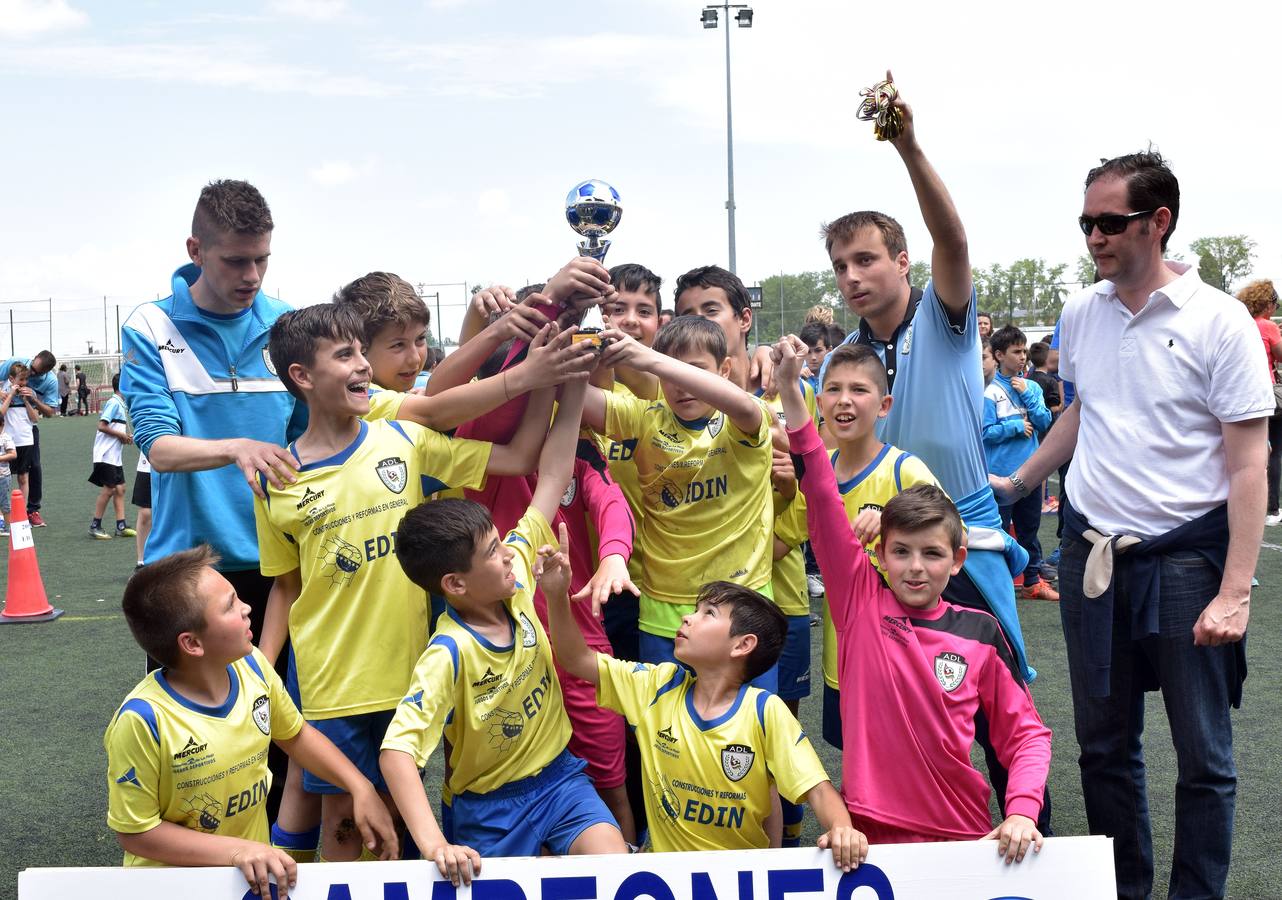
{"type": "Point", "coordinates": [329, 540]}
{"type": "Point", "coordinates": [815, 336]}
{"type": "Point", "coordinates": [1014, 414]}
{"type": "Point", "coordinates": [187, 775]}
{"type": "Point", "coordinates": [488, 685]}
{"type": "Point", "coordinates": [703, 460]}
{"type": "Point", "coordinates": [704, 732]}
{"type": "Point", "coordinates": [108, 468]}
{"type": "Point", "coordinates": [915, 669]}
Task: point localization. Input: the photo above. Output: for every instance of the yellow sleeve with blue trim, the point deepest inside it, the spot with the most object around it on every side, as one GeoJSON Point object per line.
{"type": "Point", "coordinates": [277, 554]}
{"type": "Point", "coordinates": [449, 462]}
{"type": "Point", "coordinates": [791, 758]}
{"type": "Point", "coordinates": [421, 717]}
{"type": "Point", "coordinates": [383, 404]}
{"type": "Point", "coordinates": [629, 687]}
{"type": "Point", "coordinates": [133, 796]}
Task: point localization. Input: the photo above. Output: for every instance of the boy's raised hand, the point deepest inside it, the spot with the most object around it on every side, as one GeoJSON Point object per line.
{"type": "Point", "coordinates": [258, 861]}
{"type": "Point", "coordinates": [520, 323]}
{"type": "Point", "coordinates": [1013, 837]}
{"type": "Point", "coordinates": [375, 824]}
{"type": "Point", "coordinates": [789, 356]}
{"type": "Point", "coordinates": [611, 577]}
{"type": "Point", "coordinates": [553, 573]}
{"type": "Point", "coordinates": [623, 350]}
{"type": "Point", "coordinates": [554, 358]}
{"type": "Point", "coordinates": [867, 525]}
{"type": "Point", "coordinates": [848, 844]}
{"type": "Point", "coordinates": [497, 298]}
{"type": "Point", "coordinates": [582, 282]}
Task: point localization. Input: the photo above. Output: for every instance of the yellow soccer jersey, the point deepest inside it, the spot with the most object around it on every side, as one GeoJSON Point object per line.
{"type": "Point", "coordinates": [788, 577]}
{"type": "Point", "coordinates": [788, 574]}
{"type": "Point", "coordinates": [705, 489]}
{"type": "Point", "coordinates": [170, 759]}
{"type": "Point", "coordinates": [383, 404]}
{"type": "Point", "coordinates": [707, 782]}
{"type": "Point", "coordinates": [891, 471]}
{"type": "Point", "coordinates": [499, 707]}
{"type": "Point", "coordinates": [623, 469]}
{"type": "Point", "coordinates": [359, 624]}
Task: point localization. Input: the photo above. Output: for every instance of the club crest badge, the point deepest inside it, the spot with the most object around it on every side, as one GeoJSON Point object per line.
{"type": "Point", "coordinates": [391, 472]}
{"type": "Point", "coordinates": [950, 670]}
{"type": "Point", "coordinates": [715, 423]}
{"type": "Point", "coordinates": [528, 636]}
{"type": "Point", "coordinates": [570, 491]}
{"type": "Point", "coordinates": [736, 760]}
{"type": "Point", "coordinates": [267, 361]}
{"type": "Point", "coordinates": [263, 714]}
{"type": "Point", "coordinates": [907, 346]}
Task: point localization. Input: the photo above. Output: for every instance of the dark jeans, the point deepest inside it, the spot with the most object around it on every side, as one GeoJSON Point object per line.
{"type": "Point", "coordinates": [1026, 513]}
{"type": "Point", "coordinates": [35, 477]}
{"type": "Point", "coordinates": [1063, 498]}
{"type": "Point", "coordinates": [1195, 685]}
{"type": "Point", "coordinates": [62, 404]}
{"type": "Point", "coordinates": [1275, 461]}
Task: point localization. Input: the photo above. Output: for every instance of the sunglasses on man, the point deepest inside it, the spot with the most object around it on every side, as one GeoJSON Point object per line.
{"type": "Point", "coordinates": [1110, 223]}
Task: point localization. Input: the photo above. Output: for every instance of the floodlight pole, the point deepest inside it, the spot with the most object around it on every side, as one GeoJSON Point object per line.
{"type": "Point", "coordinates": [729, 117]}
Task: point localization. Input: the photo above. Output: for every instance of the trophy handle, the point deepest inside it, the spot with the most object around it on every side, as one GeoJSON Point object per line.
{"type": "Point", "coordinates": [594, 247]}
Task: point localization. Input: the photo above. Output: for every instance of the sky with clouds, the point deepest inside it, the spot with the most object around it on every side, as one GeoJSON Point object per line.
{"type": "Point", "coordinates": [437, 138]}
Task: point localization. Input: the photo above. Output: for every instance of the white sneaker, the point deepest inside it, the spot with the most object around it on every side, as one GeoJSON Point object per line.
{"type": "Point", "coordinates": [815, 586]}
{"type": "Point", "coordinates": [1275, 519]}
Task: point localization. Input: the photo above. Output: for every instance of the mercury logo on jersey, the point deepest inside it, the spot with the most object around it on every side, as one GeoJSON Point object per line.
{"type": "Point", "coordinates": [309, 496]}
{"type": "Point", "coordinates": [487, 679]}
{"type": "Point", "coordinates": [191, 748]}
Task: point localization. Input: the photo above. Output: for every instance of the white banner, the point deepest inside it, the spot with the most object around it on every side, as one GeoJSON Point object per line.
{"type": "Point", "coordinates": [1074, 868]}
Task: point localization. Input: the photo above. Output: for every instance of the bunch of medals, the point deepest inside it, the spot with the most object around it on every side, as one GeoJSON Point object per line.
{"type": "Point", "coordinates": [879, 108]}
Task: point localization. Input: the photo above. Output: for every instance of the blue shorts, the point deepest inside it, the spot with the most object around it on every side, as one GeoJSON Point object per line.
{"type": "Point", "coordinates": [291, 679]}
{"type": "Point", "coordinates": [832, 716]}
{"type": "Point", "coordinates": [656, 649]}
{"type": "Point", "coordinates": [550, 809]}
{"type": "Point", "coordinates": [794, 660]}
{"type": "Point", "coordinates": [360, 738]}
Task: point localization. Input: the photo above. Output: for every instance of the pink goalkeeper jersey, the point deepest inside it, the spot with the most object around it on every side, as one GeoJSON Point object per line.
{"type": "Point", "coordinates": [911, 683]}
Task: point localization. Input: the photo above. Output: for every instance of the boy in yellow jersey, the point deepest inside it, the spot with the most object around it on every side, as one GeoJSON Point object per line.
{"type": "Point", "coordinates": [852, 398]}
{"type": "Point", "coordinates": [329, 539]}
{"type": "Point", "coordinates": [187, 772]}
{"type": "Point", "coordinates": [635, 312]}
{"type": "Point", "coordinates": [711, 744]}
{"type": "Point", "coordinates": [487, 684]}
{"type": "Point", "coordinates": [703, 461]}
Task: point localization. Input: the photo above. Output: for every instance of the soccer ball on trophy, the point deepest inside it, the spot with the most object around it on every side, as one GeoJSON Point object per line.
{"type": "Point", "coordinates": [593, 209]}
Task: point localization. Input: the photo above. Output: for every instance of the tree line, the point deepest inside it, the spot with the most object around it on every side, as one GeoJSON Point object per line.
{"type": "Point", "coordinates": [1026, 292]}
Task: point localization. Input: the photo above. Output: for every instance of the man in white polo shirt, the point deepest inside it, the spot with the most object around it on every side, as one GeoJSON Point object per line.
{"type": "Point", "coordinates": [1167, 435]}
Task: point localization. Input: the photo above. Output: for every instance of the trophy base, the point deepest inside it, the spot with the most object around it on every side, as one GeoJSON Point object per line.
{"type": "Point", "coordinates": [590, 335]}
{"type": "Point", "coordinates": [595, 248]}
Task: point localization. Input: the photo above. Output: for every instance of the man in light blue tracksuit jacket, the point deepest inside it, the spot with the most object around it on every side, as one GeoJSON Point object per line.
{"type": "Point", "coordinates": [1015, 413]}
{"type": "Point", "coordinates": [207, 408]}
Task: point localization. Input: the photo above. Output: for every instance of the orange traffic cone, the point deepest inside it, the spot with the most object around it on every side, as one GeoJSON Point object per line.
{"type": "Point", "coordinates": [24, 598]}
